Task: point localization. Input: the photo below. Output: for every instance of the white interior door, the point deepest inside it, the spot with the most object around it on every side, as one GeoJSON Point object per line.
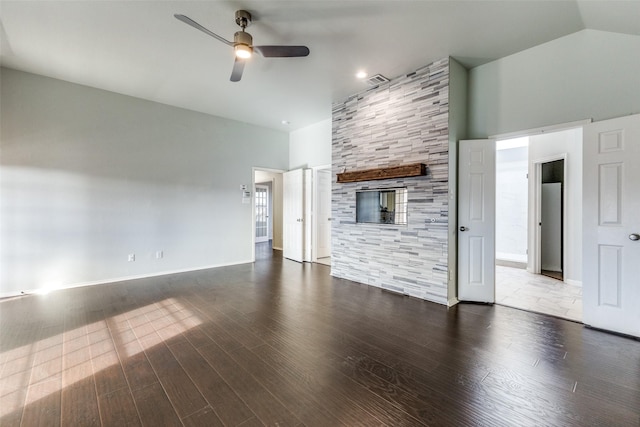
{"type": "Point", "coordinates": [307, 215]}
{"type": "Point", "coordinates": [293, 215]}
{"type": "Point", "coordinates": [476, 220]}
{"type": "Point", "coordinates": [611, 225]}
{"type": "Point", "coordinates": [324, 213]}
{"type": "Point", "coordinates": [262, 213]}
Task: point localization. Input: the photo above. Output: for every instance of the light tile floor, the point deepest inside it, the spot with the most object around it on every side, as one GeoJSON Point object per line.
{"type": "Point", "coordinates": [325, 261]}
{"type": "Point", "coordinates": [516, 287]}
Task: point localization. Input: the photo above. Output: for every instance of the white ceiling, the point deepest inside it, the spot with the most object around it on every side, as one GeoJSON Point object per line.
{"type": "Point", "coordinates": [138, 48]}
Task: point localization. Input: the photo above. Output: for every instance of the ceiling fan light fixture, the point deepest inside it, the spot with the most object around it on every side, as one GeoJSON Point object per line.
{"type": "Point", "coordinates": [243, 51]}
{"type": "Point", "coordinates": [242, 42]}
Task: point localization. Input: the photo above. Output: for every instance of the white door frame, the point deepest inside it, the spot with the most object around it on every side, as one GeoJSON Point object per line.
{"type": "Point", "coordinates": [314, 211]}
{"type": "Point", "coordinates": [534, 264]}
{"type": "Point", "coordinates": [253, 206]}
{"type": "Point", "coordinates": [308, 214]}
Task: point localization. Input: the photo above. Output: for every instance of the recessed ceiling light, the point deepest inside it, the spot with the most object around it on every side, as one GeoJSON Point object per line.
{"type": "Point", "coordinates": [361, 74]}
{"type": "Point", "coordinates": [286, 122]}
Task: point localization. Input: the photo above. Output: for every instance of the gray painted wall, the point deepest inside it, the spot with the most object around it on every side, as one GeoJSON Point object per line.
{"type": "Point", "coordinates": [90, 176]}
{"type": "Point", "coordinates": [310, 146]}
{"type": "Point", "coordinates": [588, 74]}
{"type": "Point", "coordinates": [458, 117]}
{"type": "Point", "coordinates": [405, 121]}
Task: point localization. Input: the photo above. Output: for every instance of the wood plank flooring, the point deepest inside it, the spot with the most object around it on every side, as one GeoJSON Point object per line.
{"type": "Point", "coordinates": [282, 343]}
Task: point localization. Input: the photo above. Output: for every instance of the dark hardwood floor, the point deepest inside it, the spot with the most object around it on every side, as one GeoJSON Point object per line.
{"type": "Point", "coordinates": [282, 343]}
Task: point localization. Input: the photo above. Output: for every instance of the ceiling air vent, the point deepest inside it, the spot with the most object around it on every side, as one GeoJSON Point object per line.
{"type": "Point", "coordinates": [377, 79]}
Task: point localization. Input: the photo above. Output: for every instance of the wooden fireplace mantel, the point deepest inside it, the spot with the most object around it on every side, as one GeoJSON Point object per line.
{"type": "Point", "coordinates": [404, 171]}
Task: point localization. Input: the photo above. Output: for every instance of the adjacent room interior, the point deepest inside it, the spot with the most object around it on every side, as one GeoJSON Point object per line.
{"type": "Point", "coordinates": [535, 209]}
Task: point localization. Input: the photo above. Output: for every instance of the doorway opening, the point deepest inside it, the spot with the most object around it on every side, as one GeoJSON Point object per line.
{"type": "Point", "coordinates": [263, 212]}
{"type": "Point", "coordinates": [538, 223]}
{"type": "Point", "coordinates": [266, 211]}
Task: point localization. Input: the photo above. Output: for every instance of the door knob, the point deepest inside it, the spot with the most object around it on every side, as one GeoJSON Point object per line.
{"type": "Point", "coordinates": [634, 236]}
{"type": "Point", "coordinates": [463, 228]}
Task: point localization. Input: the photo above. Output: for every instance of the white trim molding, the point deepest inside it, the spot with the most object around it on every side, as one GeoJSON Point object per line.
{"type": "Point", "coordinates": [119, 279]}
{"type": "Point", "coordinates": [542, 130]}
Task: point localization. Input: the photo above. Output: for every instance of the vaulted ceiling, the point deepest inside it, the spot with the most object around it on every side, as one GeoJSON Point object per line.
{"type": "Point", "coordinates": [138, 48]}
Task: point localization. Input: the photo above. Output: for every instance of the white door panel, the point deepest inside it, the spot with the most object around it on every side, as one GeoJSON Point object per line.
{"type": "Point", "coordinates": [476, 221]}
{"type": "Point", "coordinates": [611, 222]}
{"type": "Point", "coordinates": [293, 215]}
{"type": "Point", "coordinates": [324, 213]}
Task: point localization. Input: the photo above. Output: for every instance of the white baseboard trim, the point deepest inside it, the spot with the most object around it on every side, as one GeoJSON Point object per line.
{"type": "Point", "coordinates": [276, 248]}
{"type": "Point", "coordinates": [452, 301]}
{"type": "Point", "coordinates": [573, 282]}
{"type": "Point", "coordinates": [121, 279]}
{"type": "Point", "coordinates": [512, 264]}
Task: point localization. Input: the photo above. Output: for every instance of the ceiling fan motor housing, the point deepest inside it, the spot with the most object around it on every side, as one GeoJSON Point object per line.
{"type": "Point", "coordinates": [241, 37]}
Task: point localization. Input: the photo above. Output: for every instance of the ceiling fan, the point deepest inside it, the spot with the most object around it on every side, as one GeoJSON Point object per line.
{"type": "Point", "coordinates": [243, 44]}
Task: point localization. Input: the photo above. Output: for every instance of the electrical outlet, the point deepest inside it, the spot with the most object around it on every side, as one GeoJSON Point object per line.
{"type": "Point", "coordinates": [159, 254]}
{"type": "Point", "coordinates": [132, 257]}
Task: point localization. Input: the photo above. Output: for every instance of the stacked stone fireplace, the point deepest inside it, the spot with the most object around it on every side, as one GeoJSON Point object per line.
{"type": "Point", "coordinates": [402, 122]}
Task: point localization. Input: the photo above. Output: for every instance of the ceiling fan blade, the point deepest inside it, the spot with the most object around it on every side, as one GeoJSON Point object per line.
{"type": "Point", "coordinates": [238, 67]}
{"type": "Point", "coordinates": [282, 51]}
{"type": "Point", "coordinates": [194, 24]}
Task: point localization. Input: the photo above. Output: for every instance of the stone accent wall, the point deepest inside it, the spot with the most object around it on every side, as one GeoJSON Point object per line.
{"type": "Point", "coordinates": [404, 121]}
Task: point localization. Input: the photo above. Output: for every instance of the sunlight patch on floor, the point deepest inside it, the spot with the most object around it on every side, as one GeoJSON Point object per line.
{"type": "Point", "coordinates": [35, 369]}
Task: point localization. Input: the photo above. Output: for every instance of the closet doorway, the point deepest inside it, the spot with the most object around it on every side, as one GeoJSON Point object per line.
{"type": "Point", "coordinates": [551, 219]}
